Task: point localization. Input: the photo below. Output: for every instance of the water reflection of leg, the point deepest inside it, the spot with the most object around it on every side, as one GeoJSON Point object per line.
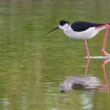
{"type": "Point", "coordinates": [87, 65]}
{"type": "Point", "coordinates": [106, 82]}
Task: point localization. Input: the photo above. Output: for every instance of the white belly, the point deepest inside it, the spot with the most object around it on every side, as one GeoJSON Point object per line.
{"type": "Point", "coordinates": [87, 34]}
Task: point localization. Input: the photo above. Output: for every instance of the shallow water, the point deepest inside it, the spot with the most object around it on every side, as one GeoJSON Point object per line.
{"type": "Point", "coordinates": [34, 63]}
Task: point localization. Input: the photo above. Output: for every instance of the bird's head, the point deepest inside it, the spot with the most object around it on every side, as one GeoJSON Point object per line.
{"type": "Point", "coordinates": [62, 25]}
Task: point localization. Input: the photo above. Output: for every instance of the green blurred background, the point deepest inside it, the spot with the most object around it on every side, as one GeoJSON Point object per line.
{"type": "Point", "coordinates": [33, 63]}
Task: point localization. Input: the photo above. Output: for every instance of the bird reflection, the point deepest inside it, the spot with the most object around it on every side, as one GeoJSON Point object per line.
{"type": "Point", "coordinates": [86, 82]}
{"type": "Point", "coordinates": [105, 86]}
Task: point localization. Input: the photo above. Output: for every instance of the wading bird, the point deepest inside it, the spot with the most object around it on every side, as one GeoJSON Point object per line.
{"type": "Point", "coordinates": [84, 30]}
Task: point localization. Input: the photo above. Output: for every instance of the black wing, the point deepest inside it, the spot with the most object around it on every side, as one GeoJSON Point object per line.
{"type": "Point", "coordinates": [82, 25]}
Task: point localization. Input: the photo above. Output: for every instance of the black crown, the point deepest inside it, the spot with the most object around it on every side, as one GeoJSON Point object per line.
{"type": "Point", "coordinates": [62, 22]}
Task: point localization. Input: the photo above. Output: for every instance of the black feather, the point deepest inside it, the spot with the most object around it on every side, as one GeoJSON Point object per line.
{"type": "Point", "coordinates": [82, 25]}
{"type": "Point", "coordinates": [62, 22]}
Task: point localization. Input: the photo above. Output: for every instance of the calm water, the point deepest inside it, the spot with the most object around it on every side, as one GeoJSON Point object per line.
{"type": "Point", "coordinates": [34, 63]}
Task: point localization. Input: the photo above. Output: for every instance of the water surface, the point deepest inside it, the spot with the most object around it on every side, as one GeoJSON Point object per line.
{"type": "Point", "coordinates": [34, 63]}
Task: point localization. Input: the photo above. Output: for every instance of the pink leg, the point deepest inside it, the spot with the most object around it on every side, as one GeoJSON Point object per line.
{"type": "Point", "coordinates": [87, 49]}
{"type": "Point", "coordinates": [105, 41]}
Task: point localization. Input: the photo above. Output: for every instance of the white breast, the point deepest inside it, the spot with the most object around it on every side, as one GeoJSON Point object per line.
{"type": "Point", "coordinates": [87, 34]}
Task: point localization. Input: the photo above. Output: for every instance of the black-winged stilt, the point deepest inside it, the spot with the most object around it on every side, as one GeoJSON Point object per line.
{"type": "Point", "coordinates": [84, 30]}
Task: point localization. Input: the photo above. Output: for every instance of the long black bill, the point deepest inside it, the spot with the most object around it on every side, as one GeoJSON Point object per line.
{"type": "Point", "coordinates": [53, 29]}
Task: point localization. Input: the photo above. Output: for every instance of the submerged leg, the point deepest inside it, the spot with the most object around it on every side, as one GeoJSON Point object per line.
{"type": "Point", "coordinates": [105, 41]}
{"type": "Point", "coordinates": [87, 49]}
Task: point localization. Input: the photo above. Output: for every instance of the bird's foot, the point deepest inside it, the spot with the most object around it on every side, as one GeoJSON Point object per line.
{"type": "Point", "coordinates": [105, 53]}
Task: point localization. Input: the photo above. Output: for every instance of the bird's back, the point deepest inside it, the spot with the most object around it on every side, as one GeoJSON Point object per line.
{"type": "Point", "coordinates": [82, 25]}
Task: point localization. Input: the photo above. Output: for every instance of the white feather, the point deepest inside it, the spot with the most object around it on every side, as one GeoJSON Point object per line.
{"type": "Point", "coordinates": [87, 34]}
